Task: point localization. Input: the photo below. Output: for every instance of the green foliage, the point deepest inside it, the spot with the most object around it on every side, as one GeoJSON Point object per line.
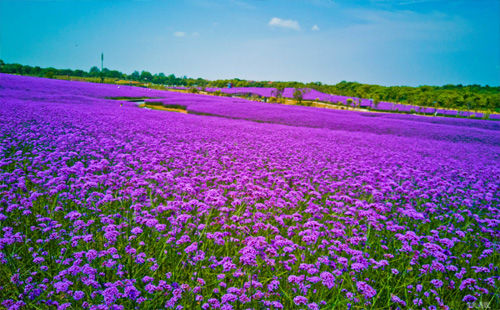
{"type": "Point", "coordinates": [298, 95]}
{"type": "Point", "coordinates": [457, 97]}
{"type": "Point", "coordinates": [49, 74]}
{"type": "Point", "coordinates": [472, 97]}
{"type": "Point", "coordinates": [146, 76]}
{"type": "Point", "coordinates": [174, 106]}
{"type": "Point", "coordinates": [255, 98]}
{"type": "Point", "coordinates": [280, 88]}
{"type": "Point", "coordinates": [348, 103]}
{"type": "Point", "coordinates": [135, 75]}
{"type": "Point", "coordinates": [153, 103]}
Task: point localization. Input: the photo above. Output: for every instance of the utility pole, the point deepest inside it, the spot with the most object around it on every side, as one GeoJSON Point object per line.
{"type": "Point", "coordinates": [102, 67]}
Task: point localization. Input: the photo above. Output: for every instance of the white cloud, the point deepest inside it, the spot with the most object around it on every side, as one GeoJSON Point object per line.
{"type": "Point", "coordinates": [284, 23]}
{"type": "Point", "coordinates": [315, 28]}
{"type": "Point", "coordinates": [179, 34]}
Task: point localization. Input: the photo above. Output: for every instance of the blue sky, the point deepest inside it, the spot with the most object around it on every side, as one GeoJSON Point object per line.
{"type": "Point", "coordinates": [400, 42]}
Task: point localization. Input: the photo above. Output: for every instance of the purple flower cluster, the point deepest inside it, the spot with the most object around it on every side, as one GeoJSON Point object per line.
{"type": "Point", "coordinates": [312, 94]}
{"type": "Point", "coordinates": [263, 207]}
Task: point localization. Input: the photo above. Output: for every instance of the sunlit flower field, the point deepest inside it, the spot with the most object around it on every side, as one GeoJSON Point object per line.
{"type": "Point", "coordinates": [248, 206]}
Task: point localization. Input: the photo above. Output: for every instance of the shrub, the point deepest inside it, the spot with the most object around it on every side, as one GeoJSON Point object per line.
{"type": "Point", "coordinates": [217, 92]}
{"type": "Point", "coordinates": [412, 110]}
{"type": "Point", "coordinates": [193, 90]}
{"type": "Point", "coordinates": [486, 116]}
{"type": "Point", "coordinates": [298, 95]}
{"type": "Point", "coordinates": [348, 103]}
{"type": "Point", "coordinates": [273, 99]}
{"type": "Point", "coordinates": [174, 106]}
{"type": "Point", "coordinates": [154, 103]}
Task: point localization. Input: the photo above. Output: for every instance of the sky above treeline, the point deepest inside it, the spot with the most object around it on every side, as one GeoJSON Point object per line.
{"type": "Point", "coordinates": [399, 42]}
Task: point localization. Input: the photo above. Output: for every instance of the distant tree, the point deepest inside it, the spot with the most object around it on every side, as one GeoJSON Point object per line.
{"type": "Point", "coordinates": [145, 75]}
{"type": "Point", "coordinates": [78, 73]}
{"type": "Point", "coordinates": [135, 75]}
{"type": "Point", "coordinates": [94, 71]}
{"type": "Point", "coordinates": [27, 70]}
{"type": "Point", "coordinates": [278, 93]}
{"type": "Point", "coordinates": [376, 101]}
{"type": "Point", "coordinates": [36, 71]}
{"type": "Point", "coordinates": [193, 90]}
{"type": "Point", "coordinates": [469, 101]}
{"type": "Point", "coordinates": [49, 74]}
{"type": "Point", "coordinates": [348, 103]}
{"type": "Point", "coordinates": [298, 94]}
{"type": "Point", "coordinates": [114, 74]}
{"type": "Point", "coordinates": [481, 104]}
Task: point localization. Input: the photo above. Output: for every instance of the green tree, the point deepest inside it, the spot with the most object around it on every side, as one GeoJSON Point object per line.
{"type": "Point", "coordinates": [469, 102]}
{"type": "Point", "coordinates": [376, 101]}
{"type": "Point", "coordinates": [348, 103]}
{"type": "Point", "coordinates": [135, 75]}
{"type": "Point", "coordinates": [278, 92]}
{"type": "Point", "coordinates": [49, 74]}
{"type": "Point", "coordinates": [94, 71]}
{"type": "Point", "coordinates": [145, 75]}
{"type": "Point", "coordinates": [298, 95]}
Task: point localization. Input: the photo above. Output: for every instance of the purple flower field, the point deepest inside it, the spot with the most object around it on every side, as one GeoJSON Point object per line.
{"type": "Point", "coordinates": [313, 94]}
{"type": "Point", "coordinates": [246, 206]}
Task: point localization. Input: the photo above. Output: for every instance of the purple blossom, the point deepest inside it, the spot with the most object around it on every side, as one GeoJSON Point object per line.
{"type": "Point", "coordinates": [366, 289]}
{"type": "Point", "coordinates": [227, 298]}
{"type": "Point", "coordinates": [437, 283]}
{"type": "Point", "coordinates": [77, 295]}
{"type": "Point", "coordinates": [192, 248]}
{"type": "Point", "coordinates": [300, 300]}
{"type": "Point", "coordinates": [272, 198]}
{"type": "Point", "coordinates": [136, 231]}
{"type": "Point", "coordinates": [327, 279]}
{"type": "Point", "coordinates": [469, 298]}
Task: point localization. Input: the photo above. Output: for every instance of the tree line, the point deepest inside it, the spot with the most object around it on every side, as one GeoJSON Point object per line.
{"type": "Point", "coordinates": [456, 97]}
{"type": "Point", "coordinates": [460, 97]}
